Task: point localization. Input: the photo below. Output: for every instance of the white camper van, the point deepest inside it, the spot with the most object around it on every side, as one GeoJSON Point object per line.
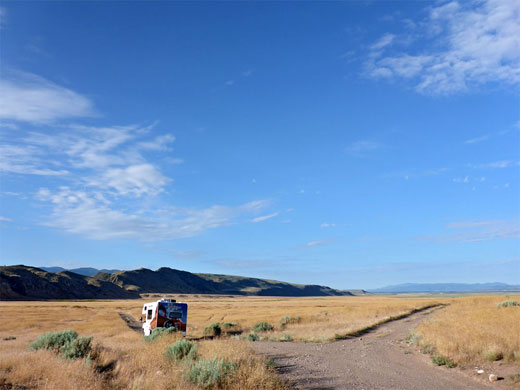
{"type": "Point", "coordinates": [165, 313]}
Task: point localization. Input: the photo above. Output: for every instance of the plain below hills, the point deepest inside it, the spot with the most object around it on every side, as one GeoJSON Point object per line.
{"type": "Point", "coordinates": [445, 288]}
{"type": "Point", "coordinates": [20, 282]}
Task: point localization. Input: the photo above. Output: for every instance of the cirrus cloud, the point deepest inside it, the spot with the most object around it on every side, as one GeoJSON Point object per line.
{"type": "Point", "coordinates": [463, 45]}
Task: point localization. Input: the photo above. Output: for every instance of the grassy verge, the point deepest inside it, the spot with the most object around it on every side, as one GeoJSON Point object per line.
{"type": "Point", "coordinates": [473, 330]}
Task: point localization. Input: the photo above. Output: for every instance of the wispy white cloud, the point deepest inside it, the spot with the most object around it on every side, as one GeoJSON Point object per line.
{"type": "Point", "coordinates": [4, 219]}
{"type": "Point", "coordinates": [384, 41]}
{"type": "Point", "coordinates": [26, 159]}
{"type": "Point", "coordinates": [495, 164]}
{"type": "Point", "coordinates": [316, 243]}
{"type": "Point", "coordinates": [326, 225]}
{"type": "Point", "coordinates": [362, 147]}
{"type": "Point", "coordinates": [477, 139]}
{"type": "Point", "coordinates": [159, 143]}
{"type": "Point", "coordinates": [106, 156]}
{"type": "Point", "coordinates": [472, 224]}
{"type": "Point", "coordinates": [264, 217]}
{"type": "Point", "coordinates": [477, 231]}
{"type": "Point", "coordinates": [30, 98]}
{"type": "Point", "coordinates": [464, 179]}
{"type": "Point", "coordinates": [135, 180]}
{"type": "Point", "coordinates": [414, 174]}
{"type": "Point", "coordinates": [89, 215]}
{"type": "Point", "coordinates": [472, 43]}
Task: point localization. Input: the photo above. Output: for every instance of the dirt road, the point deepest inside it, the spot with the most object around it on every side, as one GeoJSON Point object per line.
{"type": "Point", "coordinates": [375, 361]}
{"type": "Point", "coordinates": [131, 322]}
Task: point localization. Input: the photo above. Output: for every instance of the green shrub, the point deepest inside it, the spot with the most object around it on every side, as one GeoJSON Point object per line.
{"type": "Point", "coordinates": [180, 350]}
{"type": "Point", "coordinates": [66, 343]}
{"type": "Point", "coordinates": [262, 326]}
{"type": "Point", "coordinates": [213, 330]}
{"type": "Point", "coordinates": [230, 328]}
{"type": "Point", "coordinates": [77, 348]}
{"type": "Point", "coordinates": [509, 303]}
{"type": "Point", "coordinates": [286, 337]}
{"type": "Point", "coordinates": [427, 348]}
{"type": "Point", "coordinates": [253, 337]}
{"type": "Point", "coordinates": [494, 356]}
{"type": "Point", "coordinates": [443, 361]}
{"type": "Point", "coordinates": [158, 332]}
{"type": "Point", "coordinates": [413, 338]}
{"type": "Point", "coordinates": [227, 325]}
{"type": "Point", "coordinates": [289, 320]}
{"type": "Point", "coordinates": [53, 341]}
{"type": "Point", "coordinates": [210, 373]}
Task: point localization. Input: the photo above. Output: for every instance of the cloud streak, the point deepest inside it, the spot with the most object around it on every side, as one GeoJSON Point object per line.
{"type": "Point", "coordinates": [30, 98]}
{"type": "Point", "coordinates": [264, 217]}
{"type": "Point", "coordinates": [362, 147]}
{"type": "Point", "coordinates": [477, 231]}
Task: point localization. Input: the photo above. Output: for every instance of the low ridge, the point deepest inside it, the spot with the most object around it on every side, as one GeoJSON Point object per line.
{"type": "Point", "coordinates": [20, 282]}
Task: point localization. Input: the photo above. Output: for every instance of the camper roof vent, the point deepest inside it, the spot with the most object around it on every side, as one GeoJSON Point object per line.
{"type": "Point", "coordinates": [168, 300]}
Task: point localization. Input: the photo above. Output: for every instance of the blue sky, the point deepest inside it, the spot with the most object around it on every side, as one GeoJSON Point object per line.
{"type": "Point", "coordinates": [351, 144]}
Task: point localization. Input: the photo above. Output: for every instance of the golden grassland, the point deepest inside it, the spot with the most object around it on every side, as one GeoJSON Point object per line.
{"type": "Point", "coordinates": [125, 361]}
{"type": "Point", "coordinates": [475, 329]}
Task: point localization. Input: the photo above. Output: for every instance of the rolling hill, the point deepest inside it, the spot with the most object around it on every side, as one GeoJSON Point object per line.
{"type": "Point", "coordinates": [20, 282]}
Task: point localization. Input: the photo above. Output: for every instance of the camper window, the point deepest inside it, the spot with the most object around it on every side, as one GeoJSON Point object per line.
{"type": "Point", "coordinates": [149, 317]}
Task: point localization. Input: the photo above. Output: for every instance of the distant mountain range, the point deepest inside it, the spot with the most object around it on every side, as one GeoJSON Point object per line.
{"type": "Point", "coordinates": [20, 282]}
{"type": "Point", "coordinates": [445, 288]}
{"type": "Point", "coordinates": [86, 271]}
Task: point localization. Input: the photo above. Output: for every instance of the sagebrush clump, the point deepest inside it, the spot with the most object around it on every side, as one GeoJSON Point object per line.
{"type": "Point", "coordinates": [285, 338]}
{"type": "Point", "coordinates": [210, 373]}
{"type": "Point", "coordinates": [66, 343]}
{"type": "Point", "coordinates": [289, 320]}
{"type": "Point", "coordinates": [413, 338]}
{"type": "Point", "coordinates": [53, 340]}
{"type": "Point", "coordinates": [509, 303]}
{"type": "Point", "coordinates": [77, 348]}
{"type": "Point", "coordinates": [182, 349]}
{"type": "Point", "coordinates": [213, 330]}
{"type": "Point", "coordinates": [443, 361]}
{"type": "Point", "coordinates": [262, 326]}
{"type": "Point", "coordinates": [158, 332]}
{"type": "Point", "coordinates": [253, 337]}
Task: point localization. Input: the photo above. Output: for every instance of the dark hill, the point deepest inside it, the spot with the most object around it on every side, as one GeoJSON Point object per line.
{"type": "Point", "coordinates": [253, 286]}
{"type": "Point", "coordinates": [86, 271]}
{"type": "Point", "coordinates": [19, 282]}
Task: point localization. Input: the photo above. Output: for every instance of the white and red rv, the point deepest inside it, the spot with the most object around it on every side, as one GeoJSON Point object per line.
{"type": "Point", "coordinates": [165, 313]}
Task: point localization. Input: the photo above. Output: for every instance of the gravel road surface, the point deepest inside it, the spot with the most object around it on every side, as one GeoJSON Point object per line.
{"type": "Point", "coordinates": [377, 360]}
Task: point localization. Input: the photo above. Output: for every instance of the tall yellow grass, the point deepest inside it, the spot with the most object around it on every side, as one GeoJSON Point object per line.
{"type": "Point", "coordinates": [475, 329]}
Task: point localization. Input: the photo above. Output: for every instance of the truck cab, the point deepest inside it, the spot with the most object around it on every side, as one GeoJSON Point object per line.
{"type": "Point", "coordinates": [165, 313]}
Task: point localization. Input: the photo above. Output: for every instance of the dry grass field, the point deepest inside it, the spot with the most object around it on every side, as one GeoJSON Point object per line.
{"type": "Point", "coordinates": [475, 329]}
{"type": "Point", "coordinates": [125, 361]}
